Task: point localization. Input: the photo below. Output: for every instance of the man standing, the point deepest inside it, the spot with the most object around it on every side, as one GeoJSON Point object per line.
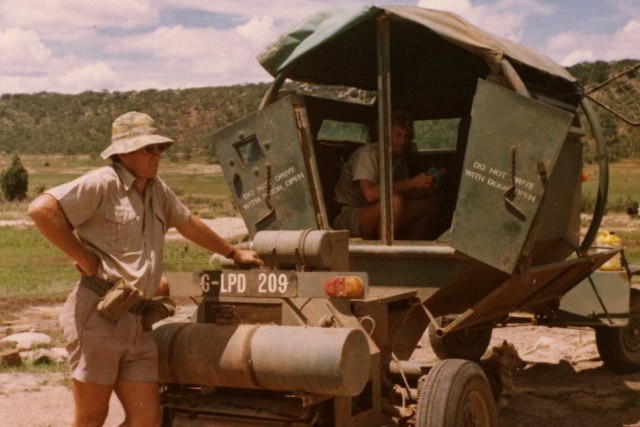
{"type": "Point", "coordinates": [111, 222]}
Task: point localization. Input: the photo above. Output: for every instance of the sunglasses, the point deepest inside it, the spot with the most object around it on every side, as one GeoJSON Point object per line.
{"type": "Point", "coordinates": [160, 148]}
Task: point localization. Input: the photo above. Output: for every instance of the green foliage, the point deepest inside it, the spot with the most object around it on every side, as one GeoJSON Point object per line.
{"type": "Point", "coordinates": [51, 123]}
{"type": "Point", "coordinates": [14, 181]}
{"type": "Point", "coordinates": [622, 139]}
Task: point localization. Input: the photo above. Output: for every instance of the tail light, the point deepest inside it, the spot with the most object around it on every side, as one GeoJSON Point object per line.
{"type": "Point", "coordinates": [344, 287]}
{"type": "Point", "coordinates": [584, 176]}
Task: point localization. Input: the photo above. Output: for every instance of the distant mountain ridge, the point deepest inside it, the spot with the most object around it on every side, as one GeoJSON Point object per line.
{"type": "Point", "coordinates": [48, 123]}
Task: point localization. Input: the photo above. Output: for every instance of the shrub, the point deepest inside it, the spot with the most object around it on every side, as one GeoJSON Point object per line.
{"type": "Point", "coordinates": [14, 181]}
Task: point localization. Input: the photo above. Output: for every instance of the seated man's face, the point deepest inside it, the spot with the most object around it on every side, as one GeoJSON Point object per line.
{"type": "Point", "coordinates": [399, 139]}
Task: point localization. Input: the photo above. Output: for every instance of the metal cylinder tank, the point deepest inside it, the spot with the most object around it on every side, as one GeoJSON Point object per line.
{"type": "Point", "coordinates": [332, 361]}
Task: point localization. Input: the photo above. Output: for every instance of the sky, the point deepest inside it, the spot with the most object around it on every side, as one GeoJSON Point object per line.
{"type": "Point", "coordinates": [72, 46]}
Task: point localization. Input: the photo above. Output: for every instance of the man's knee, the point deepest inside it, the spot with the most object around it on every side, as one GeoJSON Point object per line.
{"type": "Point", "coordinates": [91, 403]}
{"type": "Point", "coordinates": [398, 205]}
{"type": "Point", "coordinates": [88, 417]}
{"type": "Point", "coordinates": [140, 401]}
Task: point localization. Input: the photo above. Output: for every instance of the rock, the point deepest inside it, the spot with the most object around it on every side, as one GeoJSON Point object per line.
{"type": "Point", "coordinates": [26, 340]}
{"type": "Point", "coordinates": [45, 356]}
{"type": "Point", "coordinates": [10, 358]}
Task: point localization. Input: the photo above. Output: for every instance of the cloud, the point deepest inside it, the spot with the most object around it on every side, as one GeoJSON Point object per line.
{"type": "Point", "coordinates": [459, 7]}
{"type": "Point", "coordinates": [97, 75]}
{"type": "Point", "coordinates": [626, 42]}
{"type": "Point", "coordinates": [22, 52]}
{"type": "Point", "coordinates": [77, 45]}
{"type": "Point", "coordinates": [259, 32]}
{"type": "Point", "coordinates": [178, 56]}
{"type": "Point", "coordinates": [69, 19]}
{"type": "Point", "coordinates": [505, 18]}
{"type": "Point", "coordinates": [578, 55]}
{"type": "Point", "coordinates": [574, 47]}
{"type": "Point", "coordinates": [285, 13]}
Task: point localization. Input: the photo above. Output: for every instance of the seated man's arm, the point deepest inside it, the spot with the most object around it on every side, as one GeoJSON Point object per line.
{"type": "Point", "coordinates": [422, 181]}
{"type": "Point", "coordinates": [370, 190]}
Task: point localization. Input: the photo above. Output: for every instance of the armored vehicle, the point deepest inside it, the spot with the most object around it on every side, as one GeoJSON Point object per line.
{"type": "Point", "coordinates": [324, 334]}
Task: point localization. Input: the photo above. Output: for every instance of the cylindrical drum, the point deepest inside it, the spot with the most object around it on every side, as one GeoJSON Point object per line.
{"type": "Point", "coordinates": [332, 361]}
{"type": "Point", "coordinates": [317, 249]}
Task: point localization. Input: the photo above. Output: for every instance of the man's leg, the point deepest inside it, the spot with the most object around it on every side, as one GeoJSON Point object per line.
{"type": "Point", "coordinates": [141, 403]}
{"type": "Point", "coordinates": [92, 403]}
{"type": "Point", "coordinates": [369, 217]}
{"type": "Point", "coordinates": [418, 216]}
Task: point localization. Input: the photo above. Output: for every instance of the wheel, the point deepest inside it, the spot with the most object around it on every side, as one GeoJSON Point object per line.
{"type": "Point", "coordinates": [456, 393]}
{"type": "Point", "coordinates": [619, 348]}
{"type": "Point", "coordinates": [467, 344]}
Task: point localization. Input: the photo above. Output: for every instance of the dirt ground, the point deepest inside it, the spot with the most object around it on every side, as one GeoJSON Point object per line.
{"type": "Point", "coordinates": [569, 385]}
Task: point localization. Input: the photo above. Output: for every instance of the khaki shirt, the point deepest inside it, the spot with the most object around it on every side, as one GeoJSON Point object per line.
{"type": "Point", "coordinates": [364, 164]}
{"type": "Point", "coordinates": [123, 228]}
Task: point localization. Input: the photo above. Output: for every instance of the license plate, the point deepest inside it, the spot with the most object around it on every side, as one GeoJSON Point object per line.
{"type": "Point", "coordinates": [250, 283]}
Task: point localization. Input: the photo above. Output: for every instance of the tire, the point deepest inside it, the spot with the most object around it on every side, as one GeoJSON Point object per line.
{"type": "Point", "coordinates": [469, 344]}
{"type": "Point", "coordinates": [456, 393]}
{"type": "Point", "coordinates": [619, 348]}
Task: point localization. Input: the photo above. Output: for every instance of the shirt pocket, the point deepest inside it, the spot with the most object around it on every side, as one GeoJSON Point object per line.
{"type": "Point", "coordinates": [122, 229]}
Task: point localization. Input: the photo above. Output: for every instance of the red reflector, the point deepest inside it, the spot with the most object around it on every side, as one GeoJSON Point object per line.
{"type": "Point", "coordinates": [344, 286]}
{"type": "Point", "coordinates": [584, 176]}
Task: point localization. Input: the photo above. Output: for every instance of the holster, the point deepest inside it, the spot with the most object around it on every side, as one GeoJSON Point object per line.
{"type": "Point", "coordinates": [118, 300]}
{"type": "Point", "coordinates": [156, 309]}
{"type": "Point", "coordinates": [119, 297]}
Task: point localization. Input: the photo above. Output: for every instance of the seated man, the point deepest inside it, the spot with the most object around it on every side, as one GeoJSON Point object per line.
{"type": "Point", "coordinates": [358, 189]}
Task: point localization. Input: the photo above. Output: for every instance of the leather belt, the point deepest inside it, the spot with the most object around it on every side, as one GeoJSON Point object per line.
{"type": "Point", "coordinates": [101, 287]}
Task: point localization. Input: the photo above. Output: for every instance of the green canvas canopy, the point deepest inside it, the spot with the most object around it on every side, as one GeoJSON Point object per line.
{"type": "Point", "coordinates": [338, 46]}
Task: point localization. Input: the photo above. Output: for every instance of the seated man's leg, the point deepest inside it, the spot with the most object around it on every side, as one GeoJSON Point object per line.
{"type": "Point", "coordinates": [418, 216]}
{"type": "Point", "coordinates": [369, 217]}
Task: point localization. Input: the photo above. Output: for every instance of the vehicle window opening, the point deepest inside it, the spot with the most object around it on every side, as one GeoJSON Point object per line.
{"type": "Point", "coordinates": [249, 150]}
{"type": "Point", "coordinates": [333, 130]}
{"type": "Point", "coordinates": [433, 135]}
{"type": "Point", "coordinates": [439, 145]}
{"type": "Point", "coordinates": [338, 128]}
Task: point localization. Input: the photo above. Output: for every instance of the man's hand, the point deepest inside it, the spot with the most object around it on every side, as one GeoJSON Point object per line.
{"type": "Point", "coordinates": [198, 232]}
{"type": "Point", "coordinates": [89, 266]}
{"type": "Point", "coordinates": [246, 256]}
{"type": "Point", "coordinates": [422, 181]}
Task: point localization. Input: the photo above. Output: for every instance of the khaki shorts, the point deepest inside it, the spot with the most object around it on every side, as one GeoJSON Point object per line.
{"type": "Point", "coordinates": [102, 351]}
{"type": "Point", "coordinates": [348, 219]}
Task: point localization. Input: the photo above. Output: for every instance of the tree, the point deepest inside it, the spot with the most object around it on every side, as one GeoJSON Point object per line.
{"type": "Point", "coordinates": [14, 181]}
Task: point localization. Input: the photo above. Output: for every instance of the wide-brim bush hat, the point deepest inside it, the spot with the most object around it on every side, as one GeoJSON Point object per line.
{"type": "Point", "coordinates": [132, 131]}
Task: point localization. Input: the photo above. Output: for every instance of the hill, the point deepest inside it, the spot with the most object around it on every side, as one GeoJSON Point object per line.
{"type": "Point", "coordinates": [48, 123]}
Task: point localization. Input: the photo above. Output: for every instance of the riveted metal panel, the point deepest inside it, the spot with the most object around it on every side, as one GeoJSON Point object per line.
{"type": "Point", "coordinates": [513, 145]}
{"type": "Point", "coordinates": [263, 160]}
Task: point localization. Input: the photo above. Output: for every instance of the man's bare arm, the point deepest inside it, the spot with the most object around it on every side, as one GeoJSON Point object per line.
{"type": "Point", "coordinates": [198, 232]}
{"type": "Point", "coordinates": [49, 218]}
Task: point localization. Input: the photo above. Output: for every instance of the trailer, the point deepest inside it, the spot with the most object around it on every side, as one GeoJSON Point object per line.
{"type": "Point", "coordinates": [323, 334]}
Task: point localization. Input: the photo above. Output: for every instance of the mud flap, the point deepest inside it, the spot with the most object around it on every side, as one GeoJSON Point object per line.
{"type": "Point", "coordinates": [540, 285]}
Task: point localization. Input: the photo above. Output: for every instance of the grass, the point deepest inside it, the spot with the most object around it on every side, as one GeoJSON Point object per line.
{"type": "Point", "coordinates": [624, 177]}
{"type": "Point", "coordinates": [200, 185]}
{"type": "Point", "coordinates": [40, 368]}
{"type": "Point", "coordinates": [31, 269]}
